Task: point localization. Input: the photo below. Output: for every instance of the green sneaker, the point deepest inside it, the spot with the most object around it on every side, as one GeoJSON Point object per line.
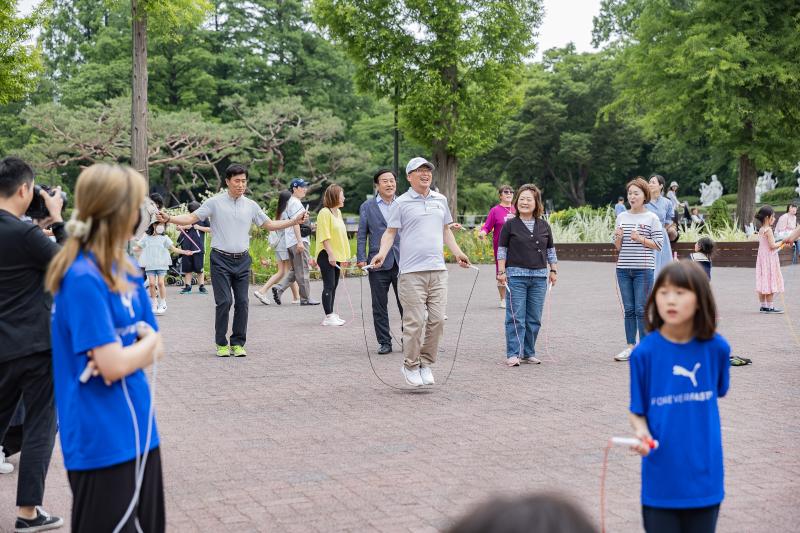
{"type": "Point", "coordinates": [238, 351]}
{"type": "Point", "coordinates": [223, 351]}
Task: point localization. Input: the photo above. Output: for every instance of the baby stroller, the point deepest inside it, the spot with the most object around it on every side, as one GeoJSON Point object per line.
{"type": "Point", "coordinates": [175, 273]}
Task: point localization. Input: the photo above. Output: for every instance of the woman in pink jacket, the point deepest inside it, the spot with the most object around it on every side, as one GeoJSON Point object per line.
{"type": "Point", "coordinates": [494, 223]}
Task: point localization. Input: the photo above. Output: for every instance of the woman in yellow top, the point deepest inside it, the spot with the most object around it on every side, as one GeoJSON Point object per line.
{"type": "Point", "coordinates": [333, 249]}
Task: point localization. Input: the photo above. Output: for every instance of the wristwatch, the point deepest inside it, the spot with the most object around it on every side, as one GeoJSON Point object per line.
{"type": "Point", "coordinates": [554, 271]}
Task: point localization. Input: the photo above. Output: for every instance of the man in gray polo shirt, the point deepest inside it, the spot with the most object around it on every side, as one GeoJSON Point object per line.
{"type": "Point", "coordinates": [422, 218]}
{"type": "Point", "coordinates": [231, 216]}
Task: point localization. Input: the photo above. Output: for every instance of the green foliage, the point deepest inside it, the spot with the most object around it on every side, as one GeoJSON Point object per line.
{"type": "Point", "coordinates": [726, 233]}
{"type": "Point", "coordinates": [454, 69]}
{"type": "Point", "coordinates": [718, 216]}
{"type": "Point", "coordinates": [19, 62]}
{"type": "Point", "coordinates": [781, 195]}
{"type": "Point", "coordinates": [700, 72]}
{"type": "Point", "coordinates": [565, 217]}
{"type": "Point", "coordinates": [477, 198]}
{"type": "Point", "coordinates": [556, 139]}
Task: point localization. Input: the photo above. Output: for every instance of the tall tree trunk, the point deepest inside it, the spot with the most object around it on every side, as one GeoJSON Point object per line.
{"type": "Point", "coordinates": [139, 90]}
{"type": "Point", "coordinates": [445, 176]}
{"type": "Point", "coordinates": [746, 195]}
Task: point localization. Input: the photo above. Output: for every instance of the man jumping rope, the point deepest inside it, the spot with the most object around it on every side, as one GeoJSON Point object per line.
{"type": "Point", "coordinates": [422, 218]}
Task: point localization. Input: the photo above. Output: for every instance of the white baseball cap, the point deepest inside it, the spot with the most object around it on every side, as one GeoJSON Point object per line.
{"type": "Point", "coordinates": [417, 162]}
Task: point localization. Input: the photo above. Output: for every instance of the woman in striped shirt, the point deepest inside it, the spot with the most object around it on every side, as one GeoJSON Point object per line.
{"type": "Point", "coordinates": [637, 235]}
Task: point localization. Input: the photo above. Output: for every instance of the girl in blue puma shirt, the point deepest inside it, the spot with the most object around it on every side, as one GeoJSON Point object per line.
{"type": "Point", "coordinates": [677, 374]}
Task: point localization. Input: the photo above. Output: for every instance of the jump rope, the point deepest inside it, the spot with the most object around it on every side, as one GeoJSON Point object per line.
{"type": "Point", "coordinates": [142, 328]}
{"type": "Point", "coordinates": [548, 297]}
{"type": "Point", "coordinates": [364, 326]}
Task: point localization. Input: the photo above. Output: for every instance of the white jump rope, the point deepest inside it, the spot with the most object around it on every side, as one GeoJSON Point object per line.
{"type": "Point", "coordinates": [514, 320]}
{"type": "Point", "coordinates": [364, 328]}
{"type": "Point", "coordinates": [142, 328]}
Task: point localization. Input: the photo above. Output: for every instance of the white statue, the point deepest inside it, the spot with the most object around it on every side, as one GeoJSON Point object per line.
{"type": "Point", "coordinates": [797, 189]}
{"type": "Point", "coordinates": [797, 168]}
{"type": "Point", "coordinates": [764, 184]}
{"type": "Point", "coordinates": [710, 192]}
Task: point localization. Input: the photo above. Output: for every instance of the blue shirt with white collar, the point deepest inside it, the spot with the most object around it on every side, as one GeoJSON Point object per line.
{"type": "Point", "coordinates": [385, 208]}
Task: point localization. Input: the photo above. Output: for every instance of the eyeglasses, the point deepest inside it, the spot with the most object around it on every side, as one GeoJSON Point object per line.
{"type": "Point", "coordinates": [506, 191]}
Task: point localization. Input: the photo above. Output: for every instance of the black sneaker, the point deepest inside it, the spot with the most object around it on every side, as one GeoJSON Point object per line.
{"type": "Point", "coordinates": [187, 289]}
{"type": "Point", "coordinates": [276, 296]}
{"type": "Point", "coordinates": [385, 348]}
{"type": "Point", "coordinates": [774, 311]}
{"type": "Point", "coordinates": [42, 522]}
{"type": "Point", "coordinates": [763, 310]}
{"type": "Point", "coordinates": [202, 289]}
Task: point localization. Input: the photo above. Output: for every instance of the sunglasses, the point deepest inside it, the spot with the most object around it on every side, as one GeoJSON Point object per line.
{"type": "Point", "coordinates": [506, 191]}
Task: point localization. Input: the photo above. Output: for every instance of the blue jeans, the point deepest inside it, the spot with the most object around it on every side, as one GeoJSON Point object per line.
{"type": "Point", "coordinates": [524, 314]}
{"type": "Point", "coordinates": [634, 287]}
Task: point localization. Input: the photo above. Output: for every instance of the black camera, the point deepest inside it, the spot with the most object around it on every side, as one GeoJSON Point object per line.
{"type": "Point", "coordinates": [38, 210]}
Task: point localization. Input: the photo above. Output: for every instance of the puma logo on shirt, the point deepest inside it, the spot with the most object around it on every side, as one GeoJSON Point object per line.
{"type": "Point", "coordinates": [678, 370]}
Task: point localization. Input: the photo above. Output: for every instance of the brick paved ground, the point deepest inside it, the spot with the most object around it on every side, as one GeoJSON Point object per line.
{"type": "Point", "coordinates": [300, 436]}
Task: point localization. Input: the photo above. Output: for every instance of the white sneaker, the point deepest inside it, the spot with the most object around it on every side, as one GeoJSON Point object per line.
{"type": "Point", "coordinates": [261, 298]}
{"type": "Point", "coordinates": [427, 375]}
{"type": "Point", "coordinates": [412, 377]}
{"type": "Point", "coordinates": [532, 360]}
{"type": "Point", "coordinates": [160, 310]}
{"type": "Point", "coordinates": [5, 466]}
{"type": "Point", "coordinates": [624, 355]}
{"type": "Point", "coordinates": [295, 302]}
{"type": "Point", "coordinates": [332, 320]}
{"type": "Point", "coordinates": [502, 304]}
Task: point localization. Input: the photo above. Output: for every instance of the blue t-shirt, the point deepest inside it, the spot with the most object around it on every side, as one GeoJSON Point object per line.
{"type": "Point", "coordinates": [94, 419]}
{"type": "Point", "coordinates": [676, 387]}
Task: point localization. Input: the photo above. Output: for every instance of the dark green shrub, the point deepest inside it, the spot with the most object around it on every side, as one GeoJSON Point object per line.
{"type": "Point", "coordinates": [781, 195]}
{"type": "Point", "coordinates": [718, 216]}
{"type": "Point", "coordinates": [565, 216]}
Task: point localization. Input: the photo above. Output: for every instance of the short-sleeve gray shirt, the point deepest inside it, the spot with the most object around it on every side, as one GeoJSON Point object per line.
{"type": "Point", "coordinates": [230, 221]}
{"type": "Point", "coordinates": [420, 221]}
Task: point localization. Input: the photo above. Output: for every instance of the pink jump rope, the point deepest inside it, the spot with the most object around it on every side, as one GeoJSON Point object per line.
{"type": "Point", "coordinates": [190, 240]}
{"type": "Point", "coordinates": [616, 441]}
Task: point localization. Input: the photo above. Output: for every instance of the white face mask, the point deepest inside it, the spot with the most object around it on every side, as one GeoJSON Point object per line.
{"type": "Point", "coordinates": [160, 229]}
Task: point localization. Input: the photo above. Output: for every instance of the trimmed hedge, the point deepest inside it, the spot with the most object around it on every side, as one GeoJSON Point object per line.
{"type": "Point", "coordinates": [781, 195]}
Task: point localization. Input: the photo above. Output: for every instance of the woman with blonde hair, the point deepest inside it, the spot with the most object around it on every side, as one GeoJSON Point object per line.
{"type": "Point", "coordinates": [333, 249]}
{"type": "Point", "coordinates": [104, 333]}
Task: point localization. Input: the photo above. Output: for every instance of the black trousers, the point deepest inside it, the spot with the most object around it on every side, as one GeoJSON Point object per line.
{"type": "Point", "coordinates": [101, 497]}
{"type": "Point", "coordinates": [330, 280]}
{"type": "Point", "coordinates": [379, 283]}
{"type": "Point", "coordinates": [30, 378]}
{"type": "Point", "coordinates": [230, 278]}
{"type": "Point", "coordinates": [697, 520]}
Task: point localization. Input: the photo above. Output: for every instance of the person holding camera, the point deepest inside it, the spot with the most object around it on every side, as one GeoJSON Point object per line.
{"type": "Point", "coordinates": [25, 351]}
{"type": "Point", "coordinates": [231, 215]}
{"type": "Point", "coordinates": [297, 244]}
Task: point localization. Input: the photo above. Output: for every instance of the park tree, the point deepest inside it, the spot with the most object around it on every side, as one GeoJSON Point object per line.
{"type": "Point", "coordinates": [712, 73]}
{"type": "Point", "coordinates": [284, 130]}
{"type": "Point", "coordinates": [182, 145]}
{"type": "Point", "coordinates": [558, 138]}
{"type": "Point", "coordinates": [166, 14]}
{"type": "Point", "coordinates": [19, 61]}
{"type": "Point", "coordinates": [453, 66]}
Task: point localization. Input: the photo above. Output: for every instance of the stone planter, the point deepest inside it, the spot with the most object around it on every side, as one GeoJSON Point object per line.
{"type": "Point", "coordinates": [726, 254]}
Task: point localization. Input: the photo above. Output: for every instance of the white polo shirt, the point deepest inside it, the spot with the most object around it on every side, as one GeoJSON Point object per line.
{"type": "Point", "coordinates": [230, 221]}
{"type": "Point", "coordinates": [420, 222]}
{"type": "Point", "coordinates": [293, 207]}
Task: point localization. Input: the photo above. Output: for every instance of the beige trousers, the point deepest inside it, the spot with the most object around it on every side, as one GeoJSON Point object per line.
{"type": "Point", "coordinates": [423, 296]}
